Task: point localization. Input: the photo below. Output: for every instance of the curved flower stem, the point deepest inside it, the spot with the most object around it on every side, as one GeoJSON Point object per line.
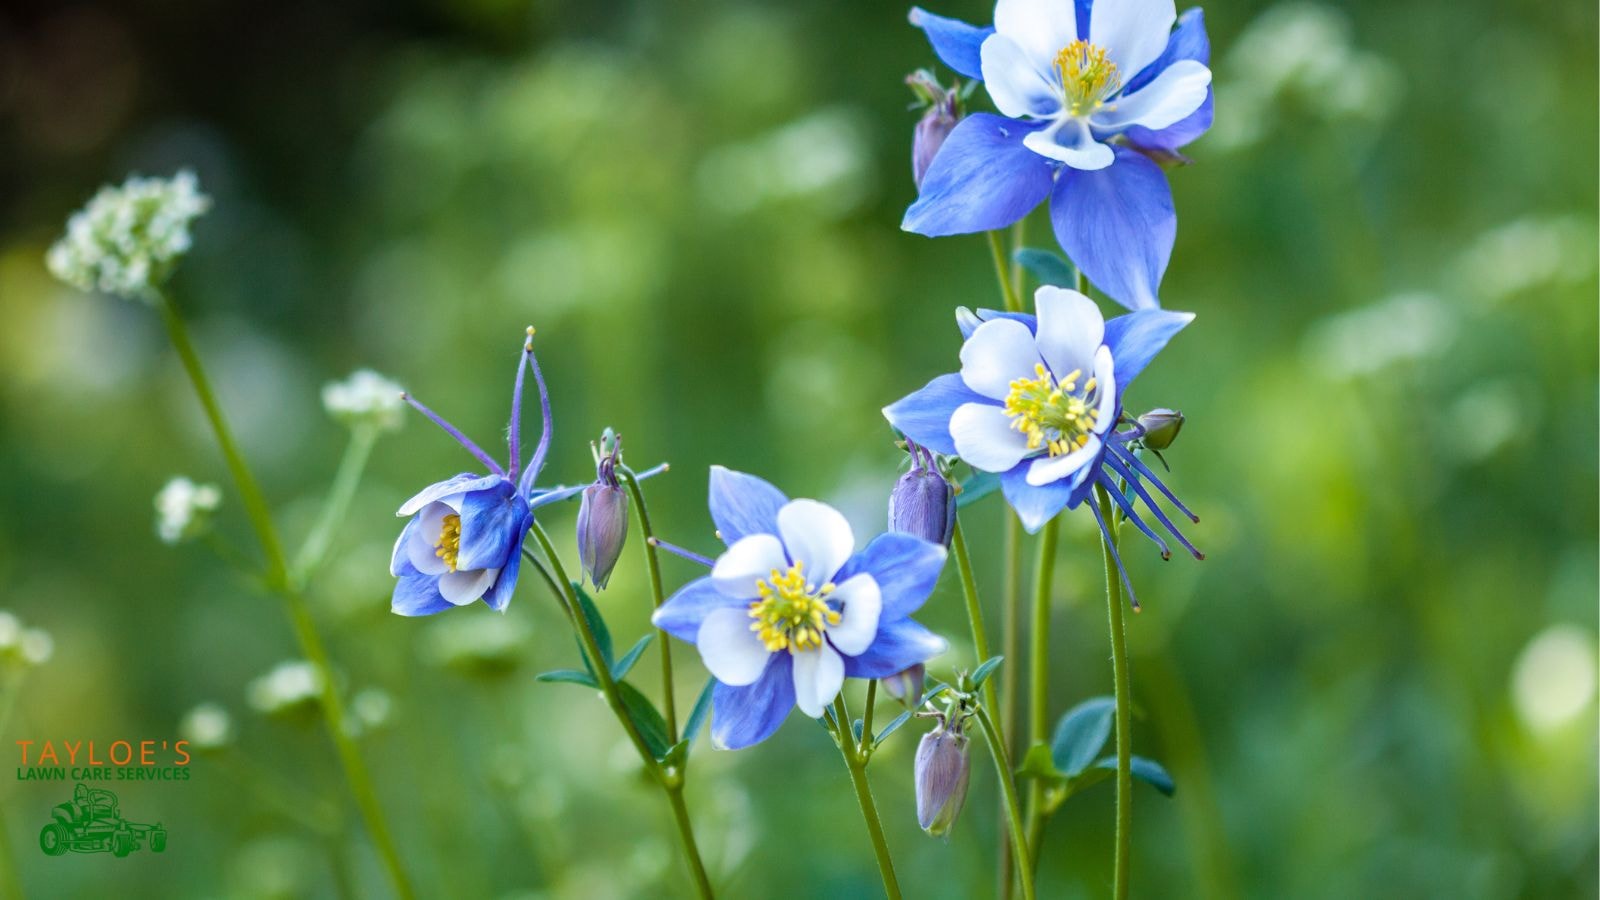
{"type": "Point", "coordinates": [1119, 671]}
{"type": "Point", "coordinates": [345, 482]}
{"type": "Point", "coordinates": [856, 762]}
{"type": "Point", "coordinates": [671, 781]}
{"type": "Point", "coordinates": [969, 589]}
{"type": "Point", "coordinates": [652, 563]}
{"type": "Point", "coordinates": [1008, 791]}
{"type": "Point", "coordinates": [1002, 271]}
{"type": "Point", "coordinates": [278, 578]}
{"type": "Point", "coordinates": [1010, 600]}
{"type": "Point", "coordinates": [1039, 670]}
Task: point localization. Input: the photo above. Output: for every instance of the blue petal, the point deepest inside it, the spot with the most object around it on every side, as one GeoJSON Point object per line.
{"type": "Point", "coordinates": [954, 41]}
{"type": "Point", "coordinates": [538, 498]}
{"type": "Point", "coordinates": [899, 645]}
{"type": "Point", "coordinates": [924, 415]}
{"type": "Point", "coordinates": [905, 567]}
{"type": "Point", "coordinates": [418, 595]}
{"type": "Point", "coordinates": [1035, 505]}
{"type": "Point", "coordinates": [743, 504]}
{"type": "Point", "coordinates": [742, 716]}
{"type": "Point", "coordinates": [1188, 41]}
{"type": "Point", "coordinates": [984, 315]}
{"type": "Point", "coordinates": [1137, 337]}
{"type": "Point", "coordinates": [458, 484]}
{"type": "Point", "coordinates": [982, 178]}
{"type": "Point", "coordinates": [400, 560]}
{"type": "Point", "coordinates": [499, 596]}
{"type": "Point", "coordinates": [683, 612]}
{"type": "Point", "coordinates": [489, 521]}
{"type": "Point", "coordinates": [1118, 226]}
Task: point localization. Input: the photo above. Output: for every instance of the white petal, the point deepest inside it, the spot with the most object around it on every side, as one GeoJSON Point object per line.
{"type": "Point", "coordinates": [1175, 93]}
{"type": "Point", "coordinates": [998, 352]}
{"type": "Point", "coordinates": [750, 559]}
{"type": "Point", "coordinates": [818, 675]}
{"type": "Point", "coordinates": [1133, 32]}
{"type": "Point", "coordinates": [861, 603]}
{"type": "Point", "coordinates": [1041, 27]}
{"type": "Point", "coordinates": [985, 439]}
{"type": "Point", "coordinates": [424, 544]}
{"type": "Point", "coordinates": [730, 650]}
{"type": "Point", "coordinates": [1070, 141]}
{"type": "Point", "coordinates": [1105, 377]}
{"type": "Point", "coordinates": [1050, 469]}
{"type": "Point", "coordinates": [466, 585]}
{"type": "Point", "coordinates": [1071, 329]}
{"type": "Point", "coordinates": [817, 536]}
{"type": "Point", "coordinates": [1016, 83]}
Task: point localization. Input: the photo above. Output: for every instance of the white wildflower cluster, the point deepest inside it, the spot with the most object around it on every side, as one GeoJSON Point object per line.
{"type": "Point", "coordinates": [207, 727]}
{"type": "Point", "coordinates": [290, 686]}
{"type": "Point", "coordinates": [365, 398]}
{"type": "Point", "coordinates": [20, 646]}
{"type": "Point", "coordinates": [481, 646]}
{"type": "Point", "coordinates": [370, 710]}
{"type": "Point", "coordinates": [126, 240]}
{"type": "Point", "coordinates": [183, 509]}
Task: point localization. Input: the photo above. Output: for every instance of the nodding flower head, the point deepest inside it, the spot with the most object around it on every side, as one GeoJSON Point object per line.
{"type": "Point", "coordinates": [464, 539]}
{"type": "Point", "coordinates": [941, 772]}
{"type": "Point", "coordinates": [941, 113]}
{"type": "Point", "coordinates": [603, 514]}
{"type": "Point", "coordinates": [923, 503]}
{"type": "Point", "coordinates": [1038, 401]}
{"type": "Point", "coordinates": [127, 239]}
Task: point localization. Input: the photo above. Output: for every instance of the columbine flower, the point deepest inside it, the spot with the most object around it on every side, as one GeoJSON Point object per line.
{"type": "Point", "coordinates": [127, 239]}
{"type": "Point", "coordinates": [922, 502]}
{"type": "Point", "coordinates": [941, 773]}
{"type": "Point", "coordinates": [939, 118]}
{"type": "Point", "coordinates": [464, 540]}
{"type": "Point", "coordinates": [1039, 400]}
{"type": "Point", "coordinates": [364, 399]}
{"type": "Point", "coordinates": [603, 515]}
{"type": "Point", "coordinates": [1088, 93]}
{"type": "Point", "coordinates": [791, 609]}
{"type": "Point", "coordinates": [906, 685]}
{"type": "Point", "coordinates": [183, 509]}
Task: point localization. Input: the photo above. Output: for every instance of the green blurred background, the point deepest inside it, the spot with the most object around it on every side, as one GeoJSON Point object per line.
{"type": "Point", "coordinates": [1380, 684]}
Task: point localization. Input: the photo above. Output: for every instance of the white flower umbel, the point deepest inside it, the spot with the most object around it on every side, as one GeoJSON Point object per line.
{"type": "Point", "coordinates": [127, 239]}
{"type": "Point", "coordinates": [365, 398]}
{"type": "Point", "coordinates": [183, 509]}
{"type": "Point", "coordinates": [37, 646]}
{"type": "Point", "coordinates": [290, 685]}
{"type": "Point", "coordinates": [206, 727]}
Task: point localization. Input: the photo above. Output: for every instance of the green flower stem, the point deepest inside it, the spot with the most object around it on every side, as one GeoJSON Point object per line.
{"type": "Point", "coordinates": [278, 578]}
{"type": "Point", "coordinates": [10, 880]}
{"type": "Point", "coordinates": [1119, 671]}
{"type": "Point", "coordinates": [866, 718]}
{"type": "Point", "coordinates": [1008, 791]}
{"type": "Point", "coordinates": [671, 782]}
{"type": "Point", "coordinates": [969, 590]}
{"type": "Point", "coordinates": [1002, 271]}
{"type": "Point", "coordinates": [337, 504]}
{"type": "Point", "coordinates": [1039, 670]}
{"type": "Point", "coordinates": [856, 762]}
{"type": "Point", "coordinates": [652, 563]}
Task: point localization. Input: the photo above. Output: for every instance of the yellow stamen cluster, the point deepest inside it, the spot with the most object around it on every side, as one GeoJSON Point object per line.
{"type": "Point", "coordinates": [791, 614]}
{"type": "Point", "coordinates": [1052, 413]}
{"type": "Point", "coordinates": [449, 544]}
{"type": "Point", "coordinates": [1088, 77]}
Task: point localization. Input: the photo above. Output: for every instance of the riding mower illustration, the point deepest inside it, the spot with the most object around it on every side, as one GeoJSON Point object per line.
{"type": "Point", "coordinates": [91, 823]}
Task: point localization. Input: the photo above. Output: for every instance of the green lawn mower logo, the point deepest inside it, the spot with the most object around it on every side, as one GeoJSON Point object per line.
{"type": "Point", "coordinates": [92, 823]}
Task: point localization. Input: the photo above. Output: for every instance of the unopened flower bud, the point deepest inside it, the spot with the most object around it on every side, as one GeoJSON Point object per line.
{"type": "Point", "coordinates": [602, 530]}
{"type": "Point", "coordinates": [923, 503]}
{"type": "Point", "coordinates": [1161, 427]}
{"type": "Point", "coordinates": [906, 685]}
{"type": "Point", "coordinates": [937, 121]}
{"type": "Point", "coordinates": [941, 774]}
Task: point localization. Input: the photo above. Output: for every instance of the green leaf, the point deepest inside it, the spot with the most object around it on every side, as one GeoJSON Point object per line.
{"type": "Point", "coordinates": [856, 728]}
{"type": "Point", "coordinates": [1146, 770]}
{"type": "Point", "coordinates": [984, 670]}
{"type": "Point", "coordinates": [977, 486]}
{"type": "Point", "coordinates": [1036, 763]}
{"type": "Point", "coordinates": [702, 709]}
{"type": "Point", "coordinates": [1048, 266]}
{"type": "Point", "coordinates": [646, 718]}
{"type": "Point", "coordinates": [602, 634]}
{"type": "Point", "coordinates": [626, 663]}
{"type": "Point", "coordinates": [567, 676]}
{"type": "Point", "coordinates": [892, 727]}
{"type": "Point", "coordinates": [1081, 734]}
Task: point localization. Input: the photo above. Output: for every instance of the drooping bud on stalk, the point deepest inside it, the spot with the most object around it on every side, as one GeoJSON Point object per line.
{"type": "Point", "coordinates": [906, 685]}
{"type": "Point", "coordinates": [942, 770]}
{"type": "Point", "coordinates": [923, 503]}
{"type": "Point", "coordinates": [603, 515]}
{"type": "Point", "coordinates": [938, 120]}
{"type": "Point", "coordinates": [1161, 427]}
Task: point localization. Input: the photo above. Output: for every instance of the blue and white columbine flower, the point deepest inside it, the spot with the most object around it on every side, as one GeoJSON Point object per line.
{"type": "Point", "coordinates": [1088, 92]}
{"type": "Point", "coordinates": [791, 609]}
{"type": "Point", "coordinates": [464, 540]}
{"type": "Point", "coordinates": [1038, 400]}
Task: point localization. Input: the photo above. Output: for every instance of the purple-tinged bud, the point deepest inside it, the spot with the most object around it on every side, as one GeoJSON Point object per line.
{"type": "Point", "coordinates": [603, 514]}
{"type": "Point", "coordinates": [1161, 427]}
{"type": "Point", "coordinates": [941, 774]}
{"type": "Point", "coordinates": [938, 120]}
{"type": "Point", "coordinates": [906, 685]}
{"type": "Point", "coordinates": [923, 503]}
